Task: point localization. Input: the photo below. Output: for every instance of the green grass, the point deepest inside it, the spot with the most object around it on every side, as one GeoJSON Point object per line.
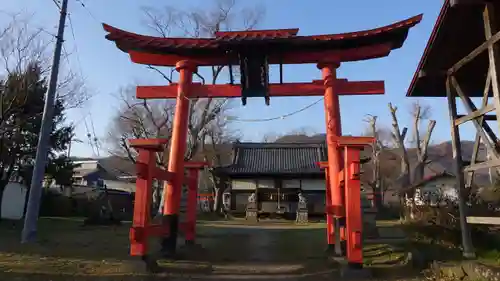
{"type": "Point", "coordinates": [67, 251]}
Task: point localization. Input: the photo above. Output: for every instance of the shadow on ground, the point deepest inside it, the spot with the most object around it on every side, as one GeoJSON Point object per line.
{"type": "Point", "coordinates": [231, 251]}
{"type": "Point", "coordinates": [68, 251]}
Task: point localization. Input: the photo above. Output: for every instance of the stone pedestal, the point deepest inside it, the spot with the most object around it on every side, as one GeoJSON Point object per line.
{"type": "Point", "coordinates": [302, 216]}
{"type": "Point", "coordinates": [252, 212]}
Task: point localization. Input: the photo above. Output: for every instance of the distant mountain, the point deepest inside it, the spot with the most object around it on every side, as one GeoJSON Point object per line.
{"type": "Point", "coordinates": [440, 155]}
{"type": "Point", "coordinates": [301, 138]}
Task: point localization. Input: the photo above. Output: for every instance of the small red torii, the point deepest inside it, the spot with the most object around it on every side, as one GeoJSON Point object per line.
{"type": "Point", "coordinates": [147, 171]}
{"type": "Point", "coordinates": [348, 178]}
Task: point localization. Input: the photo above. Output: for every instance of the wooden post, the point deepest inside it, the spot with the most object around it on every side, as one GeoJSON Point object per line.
{"type": "Point", "coordinates": [491, 26]}
{"type": "Point", "coordinates": [468, 250]}
{"type": "Point", "coordinates": [333, 129]}
{"type": "Point", "coordinates": [142, 203]}
{"type": "Point", "coordinates": [330, 239]}
{"type": "Point", "coordinates": [353, 206]}
{"type": "Point", "coordinates": [173, 188]}
{"type": "Point", "coordinates": [190, 224]}
{"type": "Point", "coordinates": [330, 219]}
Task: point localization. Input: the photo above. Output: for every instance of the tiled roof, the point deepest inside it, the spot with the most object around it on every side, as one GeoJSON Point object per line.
{"type": "Point", "coordinates": [393, 34]}
{"type": "Point", "coordinates": [277, 158]}
{"type": "Point", "coordinates": [257, 34]}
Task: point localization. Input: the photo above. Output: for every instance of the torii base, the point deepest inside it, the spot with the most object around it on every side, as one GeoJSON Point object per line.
{"type": "Point", "coordinates": [169, 241]}
{"type": "Point", "coordinates": [354, 273]}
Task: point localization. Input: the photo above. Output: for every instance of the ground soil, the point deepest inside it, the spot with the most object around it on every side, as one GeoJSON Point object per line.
{"type": "Point", "coordinates": [231, 251]}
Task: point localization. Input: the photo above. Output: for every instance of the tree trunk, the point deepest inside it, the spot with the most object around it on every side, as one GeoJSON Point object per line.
{"type": "Point", "coordinates": [402, 208]}
{"type": "Point", "coordinates": [377, 197]}
{"type": "Point", "coordinates": [157, 197]}
{"type": "Point", "coordinates": [2, 189]}
{"type": "Point", "coordinates": [218, 190]}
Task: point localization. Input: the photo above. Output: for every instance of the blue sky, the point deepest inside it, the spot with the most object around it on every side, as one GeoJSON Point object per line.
{"type": "Point", "coordinates": [106, 69]}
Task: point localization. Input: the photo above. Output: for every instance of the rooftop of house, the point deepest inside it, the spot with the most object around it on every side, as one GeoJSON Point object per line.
{"type": "Point", "coordinates": [117, 167]}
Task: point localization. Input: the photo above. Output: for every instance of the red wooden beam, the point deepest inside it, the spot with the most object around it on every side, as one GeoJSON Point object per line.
{"type": "Point", "coordinates": [324, 165]}
{"type": "Point", "coordinates": [148, 144]}
{"type": "Point", "coordinates": [162, 175]}
{"type": "Point", "coordinates": [354, 141]}
{"type": "Point", "coordinates": [299, 57]}
{"type": "Point", "coordinates": [316, 88]}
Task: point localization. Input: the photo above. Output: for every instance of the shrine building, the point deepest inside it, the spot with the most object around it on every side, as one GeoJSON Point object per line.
{"type": "Point", "coordinates": [276, 173]}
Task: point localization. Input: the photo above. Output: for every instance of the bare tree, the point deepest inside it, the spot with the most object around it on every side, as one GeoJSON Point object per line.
{"type": "Point", "coordinates": [407, 179]}
{"type": "Point", "coordinates": [380, 173]}
{"type": "Point", "coordinates": [217, 134]}
{"type": "Point", "coordinates": [22, 44]}
{"type": "Point", "coordinates": [422, 141]}
{"type": "Point", "coordinates": [153, 119]}
{"type": "Point", "coordinates": [375, 183]}
{"type": "Point", "coordinates": [207, 123]}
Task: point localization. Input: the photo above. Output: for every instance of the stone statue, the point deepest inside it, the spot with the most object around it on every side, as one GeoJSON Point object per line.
{"type": "Point", "coordinates": [302, 202]}
{"type": "Point", "coordinates": [302, 212]}
{"type": "Point", "coordinates": [252, 211]}
{"type": "Point", "coordinates": [252, 198]}
{"type": "Point", "coordinates": [226, 201]}
{"type": "Point", "coordinates": [302, 199]}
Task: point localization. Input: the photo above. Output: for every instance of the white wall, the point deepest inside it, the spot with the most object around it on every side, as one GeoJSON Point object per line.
{"type": "Point", "coordinates": [313, 184]}
{"type": "Point", "coordinates": [437, 191]}
{"type": "Point", "coordinates": [243, 184]}
{"type": "Point", "coordinates": [13, 199]}
{"type": "Point", "coordinates": [265, 183]}
{"type": "Point", "coordinates": [120, 185]}
{"type": "Point", "coordinates": [291, 184]}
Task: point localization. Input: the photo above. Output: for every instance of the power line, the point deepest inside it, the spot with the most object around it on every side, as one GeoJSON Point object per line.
{"type": "Point", "coordinates": [91, 135]}
{"type": "Point", "coordinates": [95, 139]}
{"type": "Point", "coordinates": [57, 4]}
{"type": "Point", "coordinates": [76, 45]}
{"type": "Point", "coordinates": [230, 118]}
{"type": "Point", "coordinates": [276, 117]}
{"type": "Point", "coordinates": [88, 11]}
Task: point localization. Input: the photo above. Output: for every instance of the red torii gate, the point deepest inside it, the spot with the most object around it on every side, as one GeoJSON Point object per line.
{"type": "Point", "coordinates": [349, 181]}
{"type": "Point", "coordinates": [254, 51]}
{"type": "Point", "coordinates": [147, 171]}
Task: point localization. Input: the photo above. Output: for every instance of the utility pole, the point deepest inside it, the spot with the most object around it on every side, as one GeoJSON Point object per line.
{"type": "Point", "coordinates": [33, 209]}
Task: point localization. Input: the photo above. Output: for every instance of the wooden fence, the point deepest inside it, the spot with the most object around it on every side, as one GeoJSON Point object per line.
{"type": "Point", "coordinates": [484, 220]}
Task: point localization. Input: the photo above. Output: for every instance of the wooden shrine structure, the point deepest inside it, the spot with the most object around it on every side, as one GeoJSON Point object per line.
{"type": "Point", "coordinates": [462, 61]}
{"type": "Point", "coordinates": [252, 52]}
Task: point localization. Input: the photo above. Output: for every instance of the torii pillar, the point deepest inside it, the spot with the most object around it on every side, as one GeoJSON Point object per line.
{"type": "Point", "coordinates": [330, 232]}
{"type": "Point", "coordinates": [193, 170]}
{"type": "Point", "coordinates": [173, 188]}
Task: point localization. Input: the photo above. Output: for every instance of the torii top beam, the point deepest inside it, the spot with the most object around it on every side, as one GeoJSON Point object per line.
{"type": "Point", "coordinates": [281, 46]}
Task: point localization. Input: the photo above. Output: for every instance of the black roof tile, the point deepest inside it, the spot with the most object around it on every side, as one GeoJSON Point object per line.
{"type": "Point", "coordinates": [277, 158]}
